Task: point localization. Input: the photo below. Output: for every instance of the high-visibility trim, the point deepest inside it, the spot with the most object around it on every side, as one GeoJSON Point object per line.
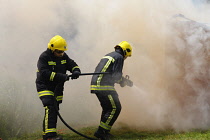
{"type": "Point", "coordinates": [96, 87]}
{"type": "Point", "coordinates": [45, 92]}
{"type": "Point", "coordinates": [46, 118]}
{"type": "Point", "coordinates": [51, 63]}
{"type": "Point", "coordinates": [75, 68]}
{"type": "Point", "coordinates": [50, 130]}
{"type": "Point", "coordinates": [105, 126]}
{"type": "Point", "coordinates": [111, 59]}
{"type": "Point", "coordinates": [52, 76]}
{"type": "Point", "coordinates": [37, 70]}
{"type": "Point", "coordinates": [59, 98]}
{"type": "Point", "coordinates": [43, 133]}
{"type": "Point", "coordinates": [63, 61]}
{"type": "Point", "coordinates": [113, 109]}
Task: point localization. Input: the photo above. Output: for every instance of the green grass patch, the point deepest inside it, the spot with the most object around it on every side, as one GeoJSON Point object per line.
{"type": "Point", "coordinates": [126, 134]}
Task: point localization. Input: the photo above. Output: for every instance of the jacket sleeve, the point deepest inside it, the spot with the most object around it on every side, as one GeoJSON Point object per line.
{"type": "Point", "coordinates": [46, 73]}
{"type": "Point", "coordinates": [72, 65]}
{"type": "Point", "coordinates": [117, 69]}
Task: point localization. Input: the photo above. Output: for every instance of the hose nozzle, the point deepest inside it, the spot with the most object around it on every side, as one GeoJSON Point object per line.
{"type": "Point", "coordinates": [128, 81]}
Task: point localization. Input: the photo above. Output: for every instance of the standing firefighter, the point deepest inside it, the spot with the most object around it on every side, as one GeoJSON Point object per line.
{"type": "Point", "coordinates": [103, 86]}
{"type": "Point", "coordinates": [51, 76]}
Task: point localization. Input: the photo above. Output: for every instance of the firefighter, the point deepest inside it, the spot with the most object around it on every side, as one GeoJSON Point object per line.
{"type": "Point", "coordinates": [103, 87]}
{"type": "Point", "coordinates": [51, 76]}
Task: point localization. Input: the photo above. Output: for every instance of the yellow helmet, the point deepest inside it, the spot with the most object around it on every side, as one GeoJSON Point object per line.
{"type": "Point", "coordinates": [126, 47]}
{"type": "Point", "coordinates": [57, 43]}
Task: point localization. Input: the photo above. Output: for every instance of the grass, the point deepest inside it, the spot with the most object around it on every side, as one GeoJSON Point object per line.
{"type": "Point", "coordinates": [127, 134]}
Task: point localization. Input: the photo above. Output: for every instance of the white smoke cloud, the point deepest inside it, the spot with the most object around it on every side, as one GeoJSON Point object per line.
{"type": "Point", "coordinates": [169, 66]}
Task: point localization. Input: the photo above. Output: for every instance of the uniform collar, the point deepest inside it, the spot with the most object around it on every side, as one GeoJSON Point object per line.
{"type": "Point", "coordinates": [119, 51]}
{"type": "Point", "coordinates": [52, 55]}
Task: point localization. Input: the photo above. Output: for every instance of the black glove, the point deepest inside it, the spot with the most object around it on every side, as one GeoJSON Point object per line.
{"type": "Point", "coordinates": [75, 74]}
{"type": "Point", "coordinates": [67, 78]}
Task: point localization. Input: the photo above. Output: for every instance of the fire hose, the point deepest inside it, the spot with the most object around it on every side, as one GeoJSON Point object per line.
{"type": "Point", "coordinates": [126, 82]}
{"type": "Point", "coordinates": [61, 118]}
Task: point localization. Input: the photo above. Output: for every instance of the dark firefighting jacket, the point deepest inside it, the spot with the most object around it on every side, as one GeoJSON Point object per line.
{"type": "Point", "coordinates": [51, 74]}
{"type": "Point", "coordinates": [112, 63]}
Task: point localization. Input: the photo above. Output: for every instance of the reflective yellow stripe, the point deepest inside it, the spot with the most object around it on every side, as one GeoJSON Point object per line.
{"type": "Point", "coordinates": [111, 59]}
{"type": "Point", "coordinates": [43, 133]}
{"type": "Point", "coordinates": [51, 63]}
{"type": "Point", "coordinates": [105, 126]}
{"type": "Point", "coordinates": [96, 87]}
{"type": "Point", "coordinates": [47, 130]}
{"type": "Point", "coordinates": [45, 92]}
{"type": "Point", "coordinates": [75, 68]}
{"type": "Point", "coordinates": [63, 61]}
{"type": "Point", "coordinates": [46, 118]}
{"type": "Point", "coordinates": [113, 110]}
{"type": "Point", "coordinates": [52, 76]}
{"type": "Point", "coordinates": [59, 98]}
{"type": "Point", "coordinates": [50, 130]}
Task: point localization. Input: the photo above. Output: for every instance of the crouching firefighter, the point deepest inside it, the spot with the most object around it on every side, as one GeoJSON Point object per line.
{"type": "Point", "coordinates": [51, 76]}
{"type": "Point", "coordinates": [103, 87]}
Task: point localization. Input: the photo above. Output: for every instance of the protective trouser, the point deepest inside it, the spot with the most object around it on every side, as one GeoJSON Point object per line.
{"type": "Point", "coordinates": [49, 122]}
{"type": "Point", "coordinates": [50, 117]}
{"type": "Point", "coordinates": [111, 108]}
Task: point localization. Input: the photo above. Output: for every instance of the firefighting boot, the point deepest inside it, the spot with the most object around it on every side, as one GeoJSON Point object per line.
{"type": "Point", "coordinates": [109, 135]}
{"type": "Point", "coordinates": [55, 138]}
{"type": "Point", "coordinates": [103, 134]}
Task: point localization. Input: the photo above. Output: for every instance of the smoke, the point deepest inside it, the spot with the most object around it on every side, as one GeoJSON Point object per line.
{"type": "Point", "coordinates": [172, 80]}
{"type": "Point", "coordinates": [169, 66]}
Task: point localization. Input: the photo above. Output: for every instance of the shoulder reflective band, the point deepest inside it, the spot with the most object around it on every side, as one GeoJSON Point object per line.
{"type": "Point", "coordinates": [111, 59]}
{"type": "Point", "coordinates": [52, 76]}
{"type": "Point", "coordinates": [51, 63]}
